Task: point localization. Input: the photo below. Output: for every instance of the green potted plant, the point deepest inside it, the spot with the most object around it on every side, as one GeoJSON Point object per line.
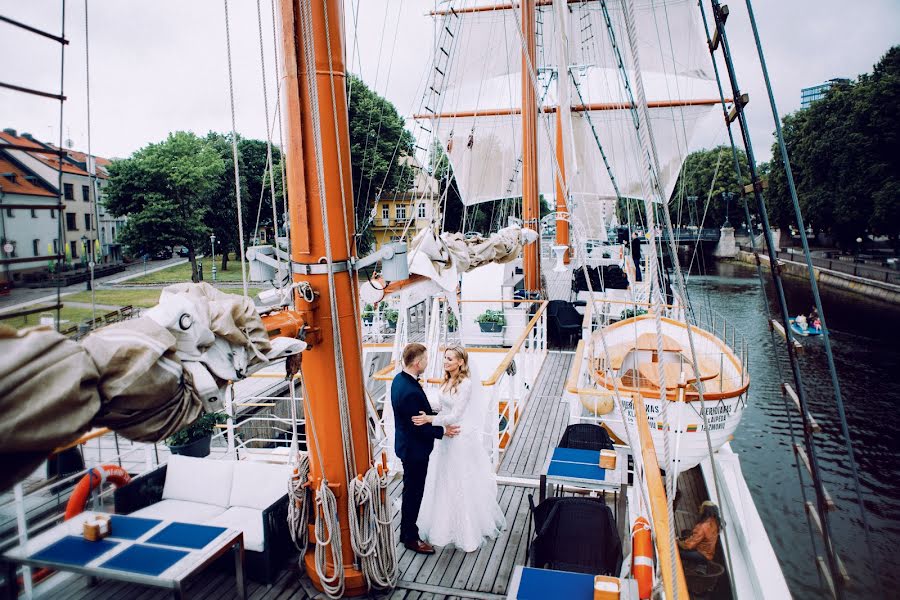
{"type": "Point", "coordinates": [633, 312]}
{"type": "Point", "coordinates": [491, 321]}
{"type": "Point", "coordinates": [452, 324]}
{"type": "Point", "coordinates": [368, 314]}
{"type": "Point", "coordinates": [391, 315]}
{"type": "Point", "coordinates": [194, 439]}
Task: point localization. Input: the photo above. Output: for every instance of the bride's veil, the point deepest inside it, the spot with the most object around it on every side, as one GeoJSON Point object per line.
{"type": "Point", "coordinates": [479, 412]}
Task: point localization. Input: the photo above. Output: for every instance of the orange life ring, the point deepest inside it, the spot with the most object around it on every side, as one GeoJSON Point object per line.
{"type": "Point", "coordinates": [642, 557]}
{"type": "Point", "coordinates": [94, 479]}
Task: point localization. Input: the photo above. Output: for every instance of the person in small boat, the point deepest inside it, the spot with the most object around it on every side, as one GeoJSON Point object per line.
{"type": "Point", "coordinates": [459, 506]}
{"type": "Point", "coordinates": [801, 322]}
{"type": "Point", "coordinates": [698, 548]}
{"type": "Point", "coordinates": [813, 319]}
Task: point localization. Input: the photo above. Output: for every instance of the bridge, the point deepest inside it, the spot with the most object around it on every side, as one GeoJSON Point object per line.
{"type": "Point", "coordinates": [690, 235]}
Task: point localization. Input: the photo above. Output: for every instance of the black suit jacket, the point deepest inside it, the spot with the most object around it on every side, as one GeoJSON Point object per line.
{"type": "Point", "coordinates": [408, 399]}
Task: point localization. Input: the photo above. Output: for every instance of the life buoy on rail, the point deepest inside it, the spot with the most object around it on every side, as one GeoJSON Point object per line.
{"type": "Point", "coordinates": [642, 557]}
{"type": "Point", "coordinates": [94, 479]}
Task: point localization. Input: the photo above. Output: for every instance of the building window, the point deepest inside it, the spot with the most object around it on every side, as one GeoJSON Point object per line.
{"type": "Point", "coordinates": [87, 222]}
{"type": "Point", "coordinates": [73, 248]}
{"type": "Point", "coordinates": [56, 246]}
{"type": "Point", "coordinates": [33, 214]}
{"type": "Point", "coordinates": [112, 233]}
{"type": "Point", "coordinates": [10, 213]}
{"type": "Point", "coordinates": [85, 193]}
{"type": "Point", "coordinates": [401, 211]}
{"type": "Point", "coordinates": [422, 211]}
{"type": "Point", "coordinates": [71, 225]}
{"type": "Point", "coordinates": [103, 235]}
{"type": "Point", "coordinates": [385, 211]}
{"type": "Point", "coordinates": [52, 213]}
{"type": "Point", "coordinates": [36, 247]}
{"type": "Point", "coordinates": [69, 191]}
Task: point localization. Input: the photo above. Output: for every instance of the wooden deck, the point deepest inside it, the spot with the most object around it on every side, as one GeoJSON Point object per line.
{"type": "Point", "coordinates": [543, 422]}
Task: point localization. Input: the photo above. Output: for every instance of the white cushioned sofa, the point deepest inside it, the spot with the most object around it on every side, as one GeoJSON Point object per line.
{"type": "Point", "coordinates": [247, 496]}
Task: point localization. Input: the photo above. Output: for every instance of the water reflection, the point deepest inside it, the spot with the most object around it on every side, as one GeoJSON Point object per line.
{"type": "Point", "coordinates": [864, 338]}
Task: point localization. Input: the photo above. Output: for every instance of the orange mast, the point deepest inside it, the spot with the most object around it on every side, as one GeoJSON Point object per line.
{"type": "Point", "coordinates": [531, 212]}
{"type": "Point", "coordinates": [308, 249]}
{"type": "Point", "coordinates": [562, 226]}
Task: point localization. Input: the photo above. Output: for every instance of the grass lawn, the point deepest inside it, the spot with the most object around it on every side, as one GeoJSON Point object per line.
{"type": "Point", "coordinates": [71, 314]}
{"type": "Point", "coordinates": [143, 298]}
{"type": "Point", "coordinates": [182, 272]}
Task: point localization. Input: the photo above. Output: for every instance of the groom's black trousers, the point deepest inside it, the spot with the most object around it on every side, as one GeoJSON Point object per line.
{"type": "Point", "coordinates": [414, 471]}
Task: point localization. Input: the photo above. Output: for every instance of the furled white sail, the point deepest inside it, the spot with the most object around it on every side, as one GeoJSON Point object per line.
{"type": "Point", "coordinates": [479, 125]}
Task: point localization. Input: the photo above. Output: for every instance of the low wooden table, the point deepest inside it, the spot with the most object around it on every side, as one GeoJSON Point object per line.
{"type": "Point", "coordinates": [528, 583]}
{"type": "Point", "coordinates": [150, 552]}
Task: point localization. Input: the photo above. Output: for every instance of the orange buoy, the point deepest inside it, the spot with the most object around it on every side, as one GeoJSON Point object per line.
{"type": "Point", "coordinates": [642, 557]}
{"type": "Point", "coordinates": [94, 479]}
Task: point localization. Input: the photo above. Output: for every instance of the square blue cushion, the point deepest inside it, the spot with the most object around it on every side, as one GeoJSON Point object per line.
{"type": "Point", "coordinates": [73, 550]}
{"type": "Point", "coordinates": [147, 560]}
{"type": "Point", "coordinates": [131, 528]}
{"type": "Point", "coordinates": [577, 470]}
{"type": "Point", "coordinates": [541, 584]}
{"type": "Point", "coordinates": [186, 535]}
{"type": "Point", "coordinates": [588, 457]}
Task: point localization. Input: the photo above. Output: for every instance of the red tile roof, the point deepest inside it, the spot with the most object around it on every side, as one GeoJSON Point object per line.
{"type": "Point", "coordinates": [49, 160]}
{"type": "Point", "coordinates": [19, 185]}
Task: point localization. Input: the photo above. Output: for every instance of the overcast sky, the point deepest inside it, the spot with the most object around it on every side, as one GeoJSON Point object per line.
{"type": "Point", "coordinates": [161, 66]}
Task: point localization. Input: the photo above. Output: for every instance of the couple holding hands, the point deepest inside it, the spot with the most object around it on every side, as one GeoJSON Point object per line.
{"type": "Point", "coordinates": [449, 486]}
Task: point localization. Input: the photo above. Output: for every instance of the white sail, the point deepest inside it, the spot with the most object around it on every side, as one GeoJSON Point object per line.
{"type": "Point", "coordinates": [479, 125]}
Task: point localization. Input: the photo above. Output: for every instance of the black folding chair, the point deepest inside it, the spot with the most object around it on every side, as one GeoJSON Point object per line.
{"type": "Point", "coordinates": [574, 534]}
{"type": "Point", "coordinates": [586, 436]}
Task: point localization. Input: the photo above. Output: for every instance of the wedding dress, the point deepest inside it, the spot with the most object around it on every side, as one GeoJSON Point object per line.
{"type": "Point", "coordinates": [460, 506]}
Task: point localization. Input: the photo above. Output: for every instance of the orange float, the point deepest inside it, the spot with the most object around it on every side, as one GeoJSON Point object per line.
{"type": "Point", "coordinates": [642, 557]}
{"type": "Point", "coordinates": [94, 479]}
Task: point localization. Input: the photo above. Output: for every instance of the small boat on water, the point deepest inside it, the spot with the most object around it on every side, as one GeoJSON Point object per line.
{"type": "Point", "coordinates": [799, 329]}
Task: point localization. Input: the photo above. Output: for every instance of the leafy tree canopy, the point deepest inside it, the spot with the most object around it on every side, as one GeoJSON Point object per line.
{"type": "Point", "coordinates": [378, 139]}
{"type": "Point", "coordinates": [164, 188]}
{"type": "Point", "coordinates": [706, 175]}
{"type": "Point", "coordinates": [845, 158]}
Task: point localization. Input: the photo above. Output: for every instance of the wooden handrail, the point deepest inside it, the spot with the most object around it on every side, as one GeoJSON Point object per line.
{"type": "Point", "coordinates": [498, 372]}
{"type": "Point", "coordinates": [658, 506]}
{"type": "Point", "coordinates": [93, 433]}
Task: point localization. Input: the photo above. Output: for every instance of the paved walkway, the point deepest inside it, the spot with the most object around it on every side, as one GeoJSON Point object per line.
{"type": "Point", "coordinates": [20, 298]}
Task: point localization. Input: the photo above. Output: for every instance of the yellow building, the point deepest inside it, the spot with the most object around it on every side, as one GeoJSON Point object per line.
{"type": "Point", "coordinates": [416, 207]}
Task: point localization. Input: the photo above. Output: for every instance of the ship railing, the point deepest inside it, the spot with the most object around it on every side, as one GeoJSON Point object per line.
{"type": "Point", "coordinates": [515, 366]}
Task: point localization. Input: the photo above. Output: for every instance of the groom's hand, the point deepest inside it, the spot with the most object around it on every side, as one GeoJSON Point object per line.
{"type": "Point", "coordinates": [451, 430]}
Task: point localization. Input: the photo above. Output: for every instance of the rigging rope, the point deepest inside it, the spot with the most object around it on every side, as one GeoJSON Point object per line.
{"type": "Point", "coordinates": [234, 152]}
{"type": "Point", "coordinates": [92, 171]}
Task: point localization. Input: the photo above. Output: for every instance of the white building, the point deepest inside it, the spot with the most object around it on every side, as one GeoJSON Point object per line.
{"type": "Point", "coordinates": [28, 226]}
{"type": "Point", "coordinates": [80, 221]}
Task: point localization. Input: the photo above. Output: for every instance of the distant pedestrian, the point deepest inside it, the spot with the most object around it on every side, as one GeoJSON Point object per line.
{"type": "Point", "coordinates": [636, 256]}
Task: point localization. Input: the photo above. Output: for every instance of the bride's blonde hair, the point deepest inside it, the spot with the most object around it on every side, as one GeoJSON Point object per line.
{"type": "Point", "coordinates": [450, 383]}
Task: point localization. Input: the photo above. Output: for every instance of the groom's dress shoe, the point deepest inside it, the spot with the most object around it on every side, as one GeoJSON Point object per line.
{"type": "Point", "coordinates": [420, 547]}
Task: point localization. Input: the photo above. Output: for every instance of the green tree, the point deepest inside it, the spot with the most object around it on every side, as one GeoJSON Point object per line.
{"type": "Point", "coordinates": [706, 175]}
{"type": "Point", "coordinates": [845, 158]}
{"type": "Point", "coordinates": [378, 140]}
{"type": "Point", "coordinates": [255, 193]}
{"type": "Point", "coordinates": [164, 190]}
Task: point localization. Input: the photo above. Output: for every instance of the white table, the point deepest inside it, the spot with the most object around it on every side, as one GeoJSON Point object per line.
{"type": "Point", "coordinates": [581, 468]}
{"type": "Point", "coordinates": [150, 552]}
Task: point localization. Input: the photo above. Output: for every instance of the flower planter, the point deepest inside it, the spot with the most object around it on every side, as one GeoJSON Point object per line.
{"type": "Point", "coordinates": [197, 448]}
{"type": "Point", "coordinates": [490, 327]}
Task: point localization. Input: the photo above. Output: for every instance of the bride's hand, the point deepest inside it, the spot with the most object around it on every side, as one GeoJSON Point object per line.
{"type": "Point", "coordinates": [422, 419]}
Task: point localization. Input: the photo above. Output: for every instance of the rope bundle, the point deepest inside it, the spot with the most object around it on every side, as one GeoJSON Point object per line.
{"type": "Point", "coordinates": [298, 513]}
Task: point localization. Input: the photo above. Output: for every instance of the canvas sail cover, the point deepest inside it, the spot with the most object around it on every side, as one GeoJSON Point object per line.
{"type": "Point", "coordinates": [482, 136]}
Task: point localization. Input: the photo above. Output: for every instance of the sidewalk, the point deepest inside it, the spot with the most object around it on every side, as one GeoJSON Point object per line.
{"type": "Point", "coordinates": [20, 298]}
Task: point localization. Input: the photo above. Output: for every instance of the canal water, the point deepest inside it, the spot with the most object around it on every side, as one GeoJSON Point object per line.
{"type": "Point", "coordinates": [867, 353]}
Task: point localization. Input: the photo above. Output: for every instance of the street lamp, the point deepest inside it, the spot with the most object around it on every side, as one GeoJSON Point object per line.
{"type": "Point", "coordinates": [727, 197]}
{"type": "Point", "coordinates": [212, 243]}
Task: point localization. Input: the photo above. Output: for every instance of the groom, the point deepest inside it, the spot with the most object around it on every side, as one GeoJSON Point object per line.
{"type": "Point", "coordinates": [413, 444]}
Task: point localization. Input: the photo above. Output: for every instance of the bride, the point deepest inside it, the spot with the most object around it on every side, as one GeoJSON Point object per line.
{"type": "Point", "coordinates": [459, 505]}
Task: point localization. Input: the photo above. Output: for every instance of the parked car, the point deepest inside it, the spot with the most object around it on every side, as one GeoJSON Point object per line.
{"type": "Point", "coordinates": [162, 254]}
{"type": "Point", "coordinates": [183, 252]}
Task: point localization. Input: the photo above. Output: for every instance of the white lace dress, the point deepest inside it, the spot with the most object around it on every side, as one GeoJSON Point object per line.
{"type": "Point", "coordinates": [460, 506]}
